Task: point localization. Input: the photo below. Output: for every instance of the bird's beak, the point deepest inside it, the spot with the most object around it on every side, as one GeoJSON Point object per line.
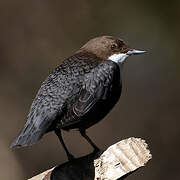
{"type": "Point", "coordinates": [134, 52]}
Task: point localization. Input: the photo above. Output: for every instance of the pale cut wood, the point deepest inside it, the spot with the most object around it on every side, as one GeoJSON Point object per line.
{"type": "Point", "coordinates": [122, 158]}
{"type": "Point", "coordinates": [42, 175]}
{"type": "Point", "coordinates": [117, 161]}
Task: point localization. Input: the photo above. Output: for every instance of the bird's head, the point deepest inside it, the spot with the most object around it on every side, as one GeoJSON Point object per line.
{"type": "Point", "coordinates": [109, 48]}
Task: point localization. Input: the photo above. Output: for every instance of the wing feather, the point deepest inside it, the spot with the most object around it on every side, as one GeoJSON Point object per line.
{"type": "Point", "coordinates": [96, 87]}
{"type": "Point", "coordinates": [60, 88]}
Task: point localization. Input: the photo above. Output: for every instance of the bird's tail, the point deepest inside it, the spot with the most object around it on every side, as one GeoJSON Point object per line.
{"type": "Point", "coordinates": [28, 136]}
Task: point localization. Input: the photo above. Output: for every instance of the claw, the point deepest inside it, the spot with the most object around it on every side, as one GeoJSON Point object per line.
{"type": "Point", "coordinates": [70, 157]}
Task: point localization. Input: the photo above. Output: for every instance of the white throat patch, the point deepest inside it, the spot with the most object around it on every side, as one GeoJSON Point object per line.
{"type": "Point", "coordinates": [118, 58]}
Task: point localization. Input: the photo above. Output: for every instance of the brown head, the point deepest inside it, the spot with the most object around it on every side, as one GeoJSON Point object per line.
{"type": "Point", "coordinates": [108, 48]}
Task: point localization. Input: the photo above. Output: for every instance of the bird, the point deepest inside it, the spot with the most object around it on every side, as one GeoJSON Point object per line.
{"type": "Point", "coordinates": [78, 93]}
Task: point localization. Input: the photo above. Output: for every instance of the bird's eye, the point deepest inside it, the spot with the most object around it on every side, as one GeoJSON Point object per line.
{"type": "Point", "coordinates": [120, 43]}
{"type": "Point", "coordinates": [113, 46]}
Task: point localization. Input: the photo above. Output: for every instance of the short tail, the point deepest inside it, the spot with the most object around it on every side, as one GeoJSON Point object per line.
{"type": "Point", "coordinates": [27, 136]}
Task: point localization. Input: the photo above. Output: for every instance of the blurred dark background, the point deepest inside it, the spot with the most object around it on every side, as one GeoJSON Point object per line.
{"type": "Point", "coordinates": [36, 35]}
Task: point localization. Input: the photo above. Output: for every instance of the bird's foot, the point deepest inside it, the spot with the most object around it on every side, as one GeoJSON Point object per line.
{"type": "Point", "coordinates": [96, 150]}
{"type": "Point", "coordinates": [70, 157]}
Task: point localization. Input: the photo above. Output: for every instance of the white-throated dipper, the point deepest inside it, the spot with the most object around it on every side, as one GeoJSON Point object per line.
{"type": "Point", "coordinates": [79, 92]}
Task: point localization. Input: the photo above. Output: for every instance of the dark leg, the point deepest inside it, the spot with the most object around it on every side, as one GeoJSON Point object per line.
{"type": "Point", "coordinates": [83, 133]}
{"type": "Point", "coordinates": [58, 133]}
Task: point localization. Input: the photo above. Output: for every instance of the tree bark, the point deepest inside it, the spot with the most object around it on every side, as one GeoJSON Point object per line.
{"type": "Point", "coordinates": [117, 162]}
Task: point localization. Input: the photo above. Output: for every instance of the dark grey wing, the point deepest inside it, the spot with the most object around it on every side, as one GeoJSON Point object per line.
{"type": "Point", "coordinates": [61, 87]}
{"type": "Point", "coordinates": [44, 109]}
{"type": "Point", "coordinates": [97, 86]}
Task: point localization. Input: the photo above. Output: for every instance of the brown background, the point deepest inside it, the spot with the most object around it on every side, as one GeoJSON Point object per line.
{"type": "Point", "coordinates": [36, 35]}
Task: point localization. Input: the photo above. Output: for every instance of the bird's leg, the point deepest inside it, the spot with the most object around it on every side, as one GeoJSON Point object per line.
{"type": "Point", "coordinates": [83, 133]}
{"type": "Point", "coordinates": [69, 155]}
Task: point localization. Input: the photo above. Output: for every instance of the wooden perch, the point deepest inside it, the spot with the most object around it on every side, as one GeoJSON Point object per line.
{"type": "Point", "coordinates": [117, 162]}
